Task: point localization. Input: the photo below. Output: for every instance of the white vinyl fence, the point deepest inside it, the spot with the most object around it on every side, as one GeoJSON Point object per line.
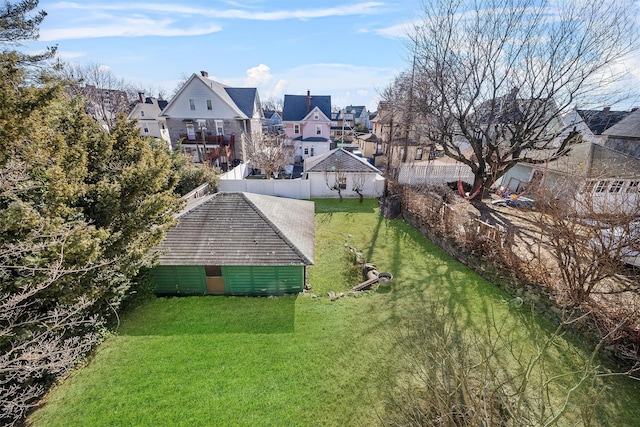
{"type": "Point", "coordinates": [417, 174]}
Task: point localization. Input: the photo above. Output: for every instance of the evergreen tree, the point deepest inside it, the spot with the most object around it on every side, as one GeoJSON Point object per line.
{"type": "Point", "coordinates": [79, 210]}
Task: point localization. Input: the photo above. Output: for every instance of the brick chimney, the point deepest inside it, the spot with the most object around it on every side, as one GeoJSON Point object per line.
{"type": "Point", "coordinates": [204, 74]}
{"type": "Point", "coordinates": [141, 96]}
{"type": "Point", "coordinates": [606, 110]}
{"type": "Point", "coordinates": [308, 101]}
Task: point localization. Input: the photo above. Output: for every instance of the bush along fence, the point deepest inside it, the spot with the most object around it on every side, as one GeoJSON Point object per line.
{"type": "Point", "coordinates": [455, 226]}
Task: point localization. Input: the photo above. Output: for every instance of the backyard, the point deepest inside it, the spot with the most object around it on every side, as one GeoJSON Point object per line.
{"type": "Point", "coordinates": [306, 360]}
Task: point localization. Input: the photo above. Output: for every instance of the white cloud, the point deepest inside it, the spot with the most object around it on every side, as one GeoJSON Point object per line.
{"type": "Point", "coordinates": [125, 28]}
{"type": "Point", "coordinates": [364, 8]}
{"type": "Point", "coordinates": [258, 76]}
{"type": "Point", "coordinates": [278, 91]}
{"type": "Point", "coordinates": [394, 31]}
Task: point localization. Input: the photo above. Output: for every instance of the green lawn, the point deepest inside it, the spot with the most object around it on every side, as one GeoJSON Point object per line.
{"type": "Point", "coordinates": [297, 360]}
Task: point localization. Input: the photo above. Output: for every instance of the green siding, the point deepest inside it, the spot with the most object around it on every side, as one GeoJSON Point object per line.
{"type": "Point", "coordinates": [263, 280]}
{"type": "Point", "coordinates": [179, 280]}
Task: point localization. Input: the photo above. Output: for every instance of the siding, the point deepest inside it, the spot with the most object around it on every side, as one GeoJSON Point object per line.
{"type": "Point", "coordinates": [179, 280]}
{"type": "Point", "coordinates": [263, 280]}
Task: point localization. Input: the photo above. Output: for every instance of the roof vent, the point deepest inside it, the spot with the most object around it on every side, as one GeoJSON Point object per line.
{"type": "Point", "coordinates": [204, 74]}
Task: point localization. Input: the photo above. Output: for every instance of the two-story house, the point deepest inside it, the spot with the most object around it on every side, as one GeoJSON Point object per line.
{"type": "Point", "coordinates": [307, 123]}
{"type": "Point", "coordinates": [272, 122]}
{"type": "Point", "coordinates": [146, 111]}
{"type": "Point", "coordinates": [208, 118]}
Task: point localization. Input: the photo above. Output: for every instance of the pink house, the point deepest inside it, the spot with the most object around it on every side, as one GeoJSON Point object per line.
{"type": "Point", "coordinates": [307, 124]}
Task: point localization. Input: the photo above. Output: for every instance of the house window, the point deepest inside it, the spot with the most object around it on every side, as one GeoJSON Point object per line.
{"type": "Point", "coordinates": [601, 187]}
{"type": "Point", "coordinates": [219, 127]}
{"type": "Point", "coordinates": [633, 187]}
{"type": "Point", "coordinates": [379, 149]}
{"type": "Point", "coordinates": [192, 105]}
{"type": "Point", "coordinates": [191, 132]}
{"type": "Point", "coordinates": [296, 128]}
{"type": "Point", "coordinates": [306, 151]}
{"type": "Point", "coordinates": [419, 154]}
{"type": "Point", "coordinates": [342, 183]}
{"type": "Point", "coordinates": [209, 106]}
{"type": "Point", "coordinates": [588, 187]}
{"type": "Point", "coordinates": [616, 186]}
{"type": "Point", "coordinates": [141, 113]}
{"type": "Point", "coordinates": [316, 116]}
{"type": "Point", "coordinates": [312, 151]}
{"type": "Point", "coordinates": [213, 270]}
{"type": "Point", "coordinates": [318, 129]}
{"type": "Point", "coordinates": [145, 128]}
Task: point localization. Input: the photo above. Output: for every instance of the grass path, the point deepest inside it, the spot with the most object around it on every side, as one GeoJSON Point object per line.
{"type": "Point", "coordinates": [295, 361]}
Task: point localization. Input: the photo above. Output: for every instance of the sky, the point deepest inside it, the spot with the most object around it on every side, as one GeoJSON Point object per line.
{"type": "Point", "coordinates": [347, 49]}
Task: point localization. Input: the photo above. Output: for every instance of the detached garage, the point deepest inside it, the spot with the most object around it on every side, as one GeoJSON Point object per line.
{"type": "Point", "coordinates": [237, 244]}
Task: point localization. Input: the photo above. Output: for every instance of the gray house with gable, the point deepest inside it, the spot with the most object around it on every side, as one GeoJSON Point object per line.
{"type": "Point", "coordinates": [208, 118]}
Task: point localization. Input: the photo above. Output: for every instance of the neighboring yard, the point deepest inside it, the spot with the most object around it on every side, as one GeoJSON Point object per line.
{"type": "Point", "coordinates": [304, 360]}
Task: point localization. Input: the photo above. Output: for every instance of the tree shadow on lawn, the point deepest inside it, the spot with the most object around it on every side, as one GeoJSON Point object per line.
{"type": "Point", "coordinates": [206, 315]}
{"type": "Point", "coordinates": [425, 275]}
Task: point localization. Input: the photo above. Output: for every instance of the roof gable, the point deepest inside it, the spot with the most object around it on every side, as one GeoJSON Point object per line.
{"type": "Point", "coordinates": [296, 109]}
{"type": "Point", "coordinates": [600, 120]}
{"type": "Point", "coordinates": [244, 98]}
{"type": "Point", "coordinates": [338, 159]}
{"type": "Point", "coordinates": [242, 229]}
{"type": "Point", "coordinates": [627, 127]}
{"type": "Point", "coordinates": [221, 91]}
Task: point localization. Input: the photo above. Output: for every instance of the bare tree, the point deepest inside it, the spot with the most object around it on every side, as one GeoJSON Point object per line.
{"type": "Point", "coordinates": [336, 180]}
{"type": "Point", "coordinates": [588, 245]}
{"type": "Point", "coordinates": [273, 104]}
{"type": "Point", "coordinates": [269, 153]}
{"type": "Point", "coordinates": [495, 75]}
{"type": "Point", "coordinates": [358, 183]}
{"type": "Point", "coordinates": [41, 342]}
{"type": "Point", "coordinates": [107, 95]}
{"type": "Point", "coordinates": [462, 375]}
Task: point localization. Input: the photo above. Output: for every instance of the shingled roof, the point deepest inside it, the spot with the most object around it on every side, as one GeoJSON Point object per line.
{"type": "Point", "coordinates": [295, 106]}
{"type": "Point", "coordinates": [242, 229]}
{"type": "Point", "coordinates": [338, 159]}
{"type": "Point", "coordinates": [599, 121]}
{"type": "Point", "coordinates": [244, 97]}
{"type": "Point", "coordinates": [628, 127]}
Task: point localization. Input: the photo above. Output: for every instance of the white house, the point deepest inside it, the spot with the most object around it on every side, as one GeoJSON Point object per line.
{"type": "Point", "coordinates": [147, 114]}
{"type": "Point", "coordinates": [340, 170]}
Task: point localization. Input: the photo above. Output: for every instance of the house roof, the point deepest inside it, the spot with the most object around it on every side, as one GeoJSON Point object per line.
{"type": "Point", "coordinates": [270, 113]}
{"type": "Point", "coordinates": [242, 229]}
{"type": "Point", "coordinates": [338, 159]}
{"type": "Point", "coordinates": [241, 100]}
{"type": "Point", "coordinates": [356, 109]}
{"type": "Point", "coordinates": [244, 97]}
{"type": "Point", "coordinates": [628, 127]}
{"type": "Point", "coordinates": [312, 139]}
{"type": "Point", "coordinates": [600, 120]}
{"type": "Point", "coordinates": [295, 106]}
